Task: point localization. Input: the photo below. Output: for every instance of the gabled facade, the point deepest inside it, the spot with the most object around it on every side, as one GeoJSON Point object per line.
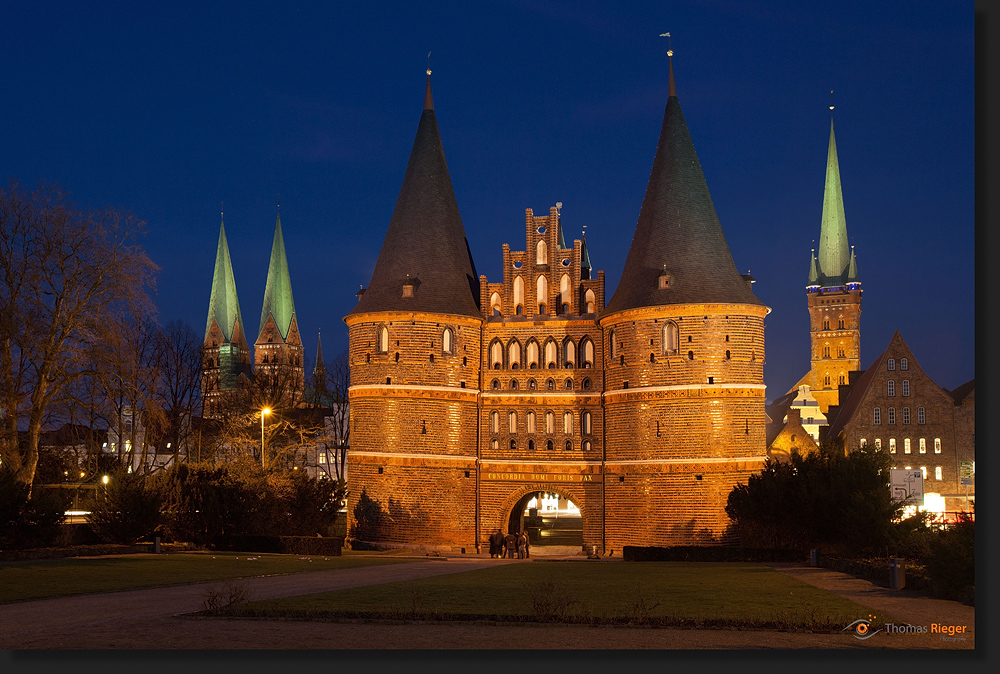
{"type": "Point", "coordinates": [897, 408]}
{"type": "Point", "coordinates": [833, 296]}
{"type": "Point", "coordinates": [225, 354]}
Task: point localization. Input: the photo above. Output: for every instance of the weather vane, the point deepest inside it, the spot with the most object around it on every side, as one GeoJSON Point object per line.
{"type": "Point", "coordinates": [428, 64]}
{"type": "Point", "coordinates": [670, 51]}
{"type": "Point", "coordinates": [831, 99]}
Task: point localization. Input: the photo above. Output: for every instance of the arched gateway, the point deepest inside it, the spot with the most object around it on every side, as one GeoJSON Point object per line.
{"type": "Point", "coordinates": [553, 515]}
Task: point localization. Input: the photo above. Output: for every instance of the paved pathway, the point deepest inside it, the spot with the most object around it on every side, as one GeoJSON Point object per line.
{"type": "Point", "coordinates": [142, 619]}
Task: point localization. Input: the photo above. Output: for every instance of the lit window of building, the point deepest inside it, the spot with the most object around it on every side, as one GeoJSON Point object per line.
{"type": "Point", "coordinates": [923, 445]}
{"type": "Point", "coordinates": [906, 445]}
{"type": "Point", "coordinates": [938, 473]}
{"type": "Point", "coordinates": [892, 445]}
{"type": "Point", "coordinates": [937, 445]}
{"type": "Point", "coordinates": [923, 471]}
{"type": "Point", "coordinates": [878, 443]}
{"type": "Point", "coordinates": [863, 443]}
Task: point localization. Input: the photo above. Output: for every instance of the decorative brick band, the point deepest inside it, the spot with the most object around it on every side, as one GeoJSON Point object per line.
{"type": "Point", "coordinates": [414, 391]}
{"type": "Point", "coordinates": [688, 391]}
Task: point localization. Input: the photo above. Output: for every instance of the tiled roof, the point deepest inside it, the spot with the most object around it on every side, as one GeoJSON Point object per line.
{"type": "Point", "coordinates": [961, 393]}
{"type": "Point", "coordinates": [678, 232]}
{"type": "Point", "coordinates": [425, 244]}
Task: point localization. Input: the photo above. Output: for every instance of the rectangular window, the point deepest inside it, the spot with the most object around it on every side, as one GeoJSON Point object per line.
{"type": "Point", "coordinates": [863, 443]}
{"type": "Point", "coordinates": [877, 416]}
{"type": "Point", "coordinates": [891, 364]}
{"type": "Point", "coordinates": [878, 443]}
{"type": "Point", "coordinates": [937, 445]}
{"type": "Point", "coordinates": [923, 445]}
{"type": "Point", "coordinates": [890, 388]}
{"type": "Point", "coordinates": [512, 422]}
{"type": "Point", "coordinates": [906, 387]}
{"type": "Point", "coordinates": [938, 473]}
{"type": "Point", "coordinates": [906, 415]}
{"type": "Point", "coordinates": [923, 472]}
{"type": "Point", "coordinates": [892, 445]}
{"type": "Point", "coordinates": [904, 364]}
{"type": "Point", "coordinates": [906, 445]}
{"type": "Point", "coordinates": [531, 422]}
{"type": "Point", "coordinates": [921, 418]}
{"type": "Point", "coordinates": [891, 415]}
{"type": "Point", "coordinates": [321, 459]}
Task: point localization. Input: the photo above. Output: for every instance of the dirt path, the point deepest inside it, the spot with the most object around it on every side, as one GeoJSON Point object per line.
{"type": "Point", "coordinates": [144, 619]}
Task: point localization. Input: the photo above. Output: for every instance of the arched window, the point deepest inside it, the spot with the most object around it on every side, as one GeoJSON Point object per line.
{"type": "Point", "coordinates": [548, 445]}
{"type": "Point", "coordinates": [496, 355]}
{"type": "Point", "coordinates": [550, 423]}
{"type": "Point", "coordinates": [568, 423]}
{"type": "Point", "coordinates": [921, 415]}
{"type": "Point", "coordinates": [568, 384]}
{"type": "Point", "coordinates": [904, 364]}
{"type": "Point", "coordinates": [906, 445]}
{"type": "Point", "coordinates": [890, 415]}
{"type": "Point", "coordinates": [890, 364]}
{"type": "Point", "coordinates": [542, 292]}
{"type": "Point", "coordinates": [671, 340]}
{"type": "Point", "coordinates": [586, 384]}
{"type": "Point", "coordinates": [863, 443]}
{"type": "Point", "coordinates": [494, 422]}
{"type": "Point", "coordinates": [840, 323]}
{"type": "Point", "coordinates": [569, 353]}
{"type": "Point", "coordinates": [494, 444]}
{"type": "Point", "coordinates": [892, 445]}
{"type": "Point", "coordinates": [587, 352]}
{"type": "Point", "coordinates": [514, 354]}
{"type": "Point", "coordinates": [826, 352]}
{"type": "Point", "coordinates": [513, 444]}
{"type": "Point", "coordinates": [531, 422]}
{"type": "Point", "coordinates": [890, 388]}
{"type": "Point", "coordinates": [691, 357]}
{"type": "Point", "coordinates": [840, 378]}
{"type": "Point", "coordinates": [877, 416]}
{"type": "Point", "coordinates": [550, 385]}
{"type": "Point", "coordinates": [383, 340]}
{"type": "Point", "coordinates": [532, 354]}
{"type": "Point", "coordinates": [565, 294]}
{"type": "Point", "coordinates": [612, 345]}
{"type": "Point", "coordinates": [585, 423]}
{"type": "Point", "coordinates": [923, 445]}
{"type": "Point", "coordinates": [826, 379]}
{"type": "Point", "coordinates": [906, 387]}
{"type": "Point", "coordinates": [495, 385]}
{"type": "Point", "coordinates": [518, 292]}
{"type": "Point", "coordinates": [513, 385]}
{"type": "Point", "coordinates": [937, 445]}
{"type": "Point", "coordinates": [569, 445]}
{"type": "Point", "coordinates": [541, 253]}
{"type": "Point", "coordinates": [587, 445]}
{"type": "Point", "coordinates": [532, 385]}
{"type": "Point", "coordinates": [531, 445]}
{"type": "Point", "coordinates": [550, 354]}
{"type": "Point", "coordinates": [826, 323]}
{"type": "Point", "coordinates": [495, 305]}
{"type": "Point", "coordinates": [512, 422]}
{"type": "Point", "coordinates": [447, 339]}
{"type": "Point", "coordinates": [591, 299]}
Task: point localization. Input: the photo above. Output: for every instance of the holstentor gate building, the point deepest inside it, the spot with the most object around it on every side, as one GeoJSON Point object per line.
{"type": "Point", "coordinates": [468, 396]}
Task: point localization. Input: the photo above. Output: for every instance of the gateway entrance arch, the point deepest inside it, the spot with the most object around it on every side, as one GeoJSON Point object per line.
{"type": "Point", "coordinates": [549, 518]}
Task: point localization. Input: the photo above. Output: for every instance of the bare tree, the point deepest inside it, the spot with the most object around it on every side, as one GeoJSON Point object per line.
{"type": "Point", "coordinates": [179, 389]}
{"type": "Point", "coordinates": [65, 274]}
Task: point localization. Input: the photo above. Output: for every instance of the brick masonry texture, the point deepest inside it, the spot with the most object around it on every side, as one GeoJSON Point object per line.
{"type": "Point", "coordinates": [657, 436]}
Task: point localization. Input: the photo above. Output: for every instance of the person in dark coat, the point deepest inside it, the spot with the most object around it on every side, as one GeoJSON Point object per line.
{"type": "Point", "coordinates": [510, 545]}
{"type": "Point", "coordinates": [522, 545]}
{"type": "Point", "coordinates": [496, 544]}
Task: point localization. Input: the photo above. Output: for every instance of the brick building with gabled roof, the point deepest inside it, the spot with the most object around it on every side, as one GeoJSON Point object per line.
{"type": "Point", "coordinates": [895, 406]}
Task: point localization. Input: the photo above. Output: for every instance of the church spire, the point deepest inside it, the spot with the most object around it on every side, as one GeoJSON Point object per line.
{"type": "Point", "coordinates": [320, 366]}
{"type": "Point", "coordinates": [834, 252]}
{"type": "Point", "coordinates": [224, 305]}
{"type": "Point", "coordinates": [679, 254]}
{"type": "Point", "coordinates": [425, 263]}
{"type": "Point", "coordinates": [278, 300]}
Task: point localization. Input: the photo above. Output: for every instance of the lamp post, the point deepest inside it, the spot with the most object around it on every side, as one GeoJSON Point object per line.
{"type": "Point", "coordinates": [263, 413]}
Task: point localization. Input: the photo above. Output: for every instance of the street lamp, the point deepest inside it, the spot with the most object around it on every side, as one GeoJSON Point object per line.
{"type": "Point", "coordinates": [263, 413]}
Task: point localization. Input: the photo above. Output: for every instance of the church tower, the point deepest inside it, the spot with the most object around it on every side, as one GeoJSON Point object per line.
{"type": "Point", "coordinates": [278, 368]}
{"type": "Point", "coordinates": [225, 354]}
{"type": "Point", "coordinates": [833, 295]}
{"type": "Point", "coordinates": [683, 359]}
{"type": "Point", "coordinates": [414, 347]}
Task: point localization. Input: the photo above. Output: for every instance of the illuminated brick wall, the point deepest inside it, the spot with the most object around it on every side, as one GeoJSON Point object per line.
{"type": "Point", "coordinates": [835, 350]}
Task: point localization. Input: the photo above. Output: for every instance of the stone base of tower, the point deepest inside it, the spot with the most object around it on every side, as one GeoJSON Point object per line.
{"type": "Point", "coordinates": [650, 505]}
{"type": "Point", "coordinates": [412, 502]}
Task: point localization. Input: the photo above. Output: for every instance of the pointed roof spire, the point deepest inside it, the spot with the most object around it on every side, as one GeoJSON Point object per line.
{"type": "Point", "coordinates": [224, 305]}
{"type": "Point", "coordinates": [319, 351]}
{"type": "Point", "coordinates": [428, 98]}
{"type": "Point", "coordinates": [678, 233]}
{"type": "Point", "coordinates": [584, 253]}
{"type": "Point", "coordinates": [852, 269]}
{"type": "Point", "coordinates": [425, 246]}
{"type": "Point", "coordinates": [834, 254]}
{"type": "Point", "coordinates": [813, 269]}
{"type": "Point", "coordinates": [278, 300]}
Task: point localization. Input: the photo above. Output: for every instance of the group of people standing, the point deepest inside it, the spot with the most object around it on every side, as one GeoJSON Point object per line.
{"type": "Point", "coordinates": [509, 546]}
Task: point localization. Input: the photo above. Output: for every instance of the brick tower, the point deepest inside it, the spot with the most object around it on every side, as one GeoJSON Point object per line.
{"type": "Point", "coordinates": [684, 353]}
{"type": "Point", "coordinates": [278, 368]}
{"type": "Point", "coordinates": [833, 296]}
{"type": "Point", "coordinates": [225, 354]}
{"type": "Point", "coordinates": [414, 348]}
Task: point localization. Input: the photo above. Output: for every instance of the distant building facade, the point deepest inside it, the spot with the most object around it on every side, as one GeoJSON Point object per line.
{"type": "Point", "coordinates": [471, 399]}
{"type": "Point", "coordinates": [896, 407]}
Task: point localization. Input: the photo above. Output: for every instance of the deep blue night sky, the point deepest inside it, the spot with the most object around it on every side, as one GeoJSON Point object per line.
{"type": "Point", "coordinates": [169, 110]}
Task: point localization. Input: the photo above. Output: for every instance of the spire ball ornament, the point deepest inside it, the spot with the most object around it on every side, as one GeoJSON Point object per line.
{"type": "Point", "coordinates": [428, 64]}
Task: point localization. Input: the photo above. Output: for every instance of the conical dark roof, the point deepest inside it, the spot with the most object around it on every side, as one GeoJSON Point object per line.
{"type": "Point", "coordinates": [425, 246]}
{"type": "Point", "coordinates": [678, 232]}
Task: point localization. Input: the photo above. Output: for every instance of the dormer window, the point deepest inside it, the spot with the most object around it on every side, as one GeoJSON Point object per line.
{"type": "Point", "coordinates": [409, 286]}
{"type": "Point", "coordinates": [663, 281]}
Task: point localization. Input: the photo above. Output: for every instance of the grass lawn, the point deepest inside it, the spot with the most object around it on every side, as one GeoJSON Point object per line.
{"type": "Point", "coordinates": [702, 594]}
{"type": "Point", "coordinates": [58, 577]}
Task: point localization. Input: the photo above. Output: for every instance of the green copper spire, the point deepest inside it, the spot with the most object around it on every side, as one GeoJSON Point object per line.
{"type": "Point", "coordinates": [224, 305]}
{"type": "Point", "coordinates": [278, 291]}
{"type": "Point", "coordinates": [834, 253]}
{"type": "Point", "coordinates": [813, 269]}
{"type": "Point", "coordinates": [852, 270]}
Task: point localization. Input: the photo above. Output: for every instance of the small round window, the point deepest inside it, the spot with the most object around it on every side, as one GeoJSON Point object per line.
{"type": "Point", "coordinates": [541, 230]}
{"type": "Point", "coordinates": [517, 265]}
{"type": "Point", "coordinates": [565, 262]}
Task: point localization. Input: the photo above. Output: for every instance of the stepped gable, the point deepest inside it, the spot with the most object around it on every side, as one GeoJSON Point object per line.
{"type": "Point", "coordinates": [224, 305]}
{"type": "Point", "coordinates": [678, 232]}
{"type": "Point", "coordinates": [425, 246]}
{"type": "Point", "coordinates": [278, 300]}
